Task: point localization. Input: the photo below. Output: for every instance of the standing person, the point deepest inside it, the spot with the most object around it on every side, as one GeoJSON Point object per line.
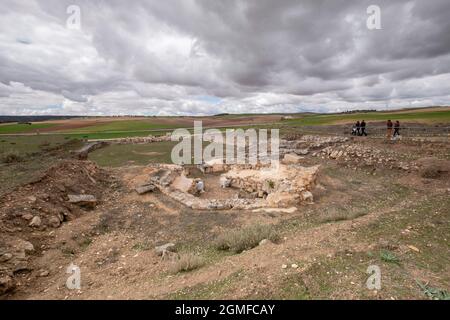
{"type": "Point", "coordinates": [397, 128]}
{"type": "Point", "coordinates": [389, 129]}
{"type": "Point", "coordinates": [363, 128]}
{"type": "Point", "coordinates": [358, 128]}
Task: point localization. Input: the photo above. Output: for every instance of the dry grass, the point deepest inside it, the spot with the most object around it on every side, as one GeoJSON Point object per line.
{"type": "Point", "coordinates": [247, 238]}
{"type": "Point", "coordinates": [334, 215]}
{"type": "Point", "coordinates": [186, 262]}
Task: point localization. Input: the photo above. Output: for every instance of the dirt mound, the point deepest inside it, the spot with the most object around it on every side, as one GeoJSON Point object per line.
{"type": "Point", "coordinates": [46, 197]}
{"type": "Point", "coordinates": [29, 210]}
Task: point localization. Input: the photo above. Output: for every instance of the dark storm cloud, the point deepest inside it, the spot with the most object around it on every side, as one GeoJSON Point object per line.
{"type": "Point", "coordinates": [156, 57]}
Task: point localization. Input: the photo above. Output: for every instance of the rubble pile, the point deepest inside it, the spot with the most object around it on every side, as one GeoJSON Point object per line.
{"type": "Point", "coordinates": [366, 156]}
{"type": "Point", "coordinates": [138, 140]}
{"type": "Point", "coordinates": [57, 194]}
{"type": "Point", "coordinates": [305, 143]}
{"type": "Point", "coordinates": [61, 193]}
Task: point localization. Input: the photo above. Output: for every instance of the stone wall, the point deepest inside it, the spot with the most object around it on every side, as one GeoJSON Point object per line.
{"type": "Point", "coordinates": [282, 186]}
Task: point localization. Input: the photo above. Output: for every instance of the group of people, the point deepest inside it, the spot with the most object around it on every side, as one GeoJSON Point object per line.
{"type": "Point", "coordinates": [396, 126]}
{"type": "Point", "coordinates": [393, 129]}
{"type": "Point", "coordinates": [359, 129]}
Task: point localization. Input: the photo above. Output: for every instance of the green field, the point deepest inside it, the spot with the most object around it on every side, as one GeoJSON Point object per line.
{"type": "Point", "coordinates": [24, 128]}
{"type": "Point", "coordinates": [29, 144]}
{"type": "Point", "coordinates": [123, 125]}
{"type": "Point", "coordinates": [325, 119]}
{"type": "Point", "coordinates": [144, 127]}
{"type": "Point", "coordinates": [117, 155]}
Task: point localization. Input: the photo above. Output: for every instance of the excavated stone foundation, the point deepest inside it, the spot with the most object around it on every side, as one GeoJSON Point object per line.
{"type": "Point", "coordinates": [224, 186]}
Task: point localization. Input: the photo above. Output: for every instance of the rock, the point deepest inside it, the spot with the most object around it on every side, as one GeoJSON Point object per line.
{"type": "Point", "coordinates": [283, 266]}
{"type": "Point", "coordinates": [21, 266]}
{"type": "Point", "coordinates": [84, 200]}
{"type": "Point", "coordinates": [43, 273]}
{"type": "Point", "coordinates": [307, 196]}
{"type": "Point", "coordinates": [291, 158]}
{"type": "Point", "coordinates": [161, 250]}
{"type": "Point", "coordinates": [334, 154]}
{"type": "Point", "coordinates": [27, 216]}
{"type": "Point", "coordinates": [35, 222]}
{"type": "Point", "coordinates": [32, 198]}
{"type": "Point", "coordinates": [5, 257]}
{"type": "Point", "coordinates": [54, 222]}
{"type": "Point", "coordinates": [302, 152]}
{"type": "Point", "coordinates": [145, 188]}
{"type": "Point", "coordinates": [82, 153]}
{"type": "Point", "coordinates": [25, 246]}
{"type": "Point", "coordinates": [413, 248]}
{"type": "Point", "coordinates": [294, 266]}
{"type": "Point", "coordinates": [263, 242]}
{"type": "Point", "coordinates": [6, 284]}
{"type": "Point", "coordinates": [225, 182]}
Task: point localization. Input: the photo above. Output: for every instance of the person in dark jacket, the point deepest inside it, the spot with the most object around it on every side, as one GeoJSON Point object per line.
{"type": "Point", "coordinates": [397, 128]}
{"type": "Point", "coordinates": [363, 128]}
{"type": "Point", "coordinates": [358, 128]}
{"type": "Point", "coordinates": [389, 129]}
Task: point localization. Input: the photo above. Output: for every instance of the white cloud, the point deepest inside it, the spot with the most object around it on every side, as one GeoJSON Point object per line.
{"type": "Point", "coordinates": [157, 58]}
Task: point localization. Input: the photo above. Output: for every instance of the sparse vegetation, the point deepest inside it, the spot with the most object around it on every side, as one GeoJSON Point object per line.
{"type": "Point", "coordinates": [141, 246]}
{"type": "Point", "coordinates": [388, 256]}
{"type": "Point", "coordinates": [334, 215]}
{"type": "Point", "coordinates": [84, 242]}
{"type": "Point", "coordinates": [433, 293]}
{"type": "Point", "coordinates": [11, 157]}
{"type": "Point", "coordinates": [186, 262]}
{"type": "Point", "coordinates": [246, 238]}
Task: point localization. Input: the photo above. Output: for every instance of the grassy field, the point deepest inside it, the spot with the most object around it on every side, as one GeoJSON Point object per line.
{"type": "Point", "coordinates": [23, 128]}
{"type": "Point", "coordinates": [141, 127]}
{"type": "Point", "coordinates": [117, 155]}
{"type": "Point", "coordinates": [324, 119]}
{"type": "Point", "coordinates": [125, 125]}
{"type": "Point", "coordinates": [30, 144]}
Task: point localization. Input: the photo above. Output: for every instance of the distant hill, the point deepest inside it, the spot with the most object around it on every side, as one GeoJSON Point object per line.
{"type": "Point", "coordinates": [26, 119]}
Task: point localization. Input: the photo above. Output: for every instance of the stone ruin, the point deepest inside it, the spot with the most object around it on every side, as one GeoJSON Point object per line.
{"type": "Point", "coordinates": [254, 186]}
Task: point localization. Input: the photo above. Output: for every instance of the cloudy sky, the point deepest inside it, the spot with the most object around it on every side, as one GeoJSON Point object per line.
{"type": "Point", "coordinates": [193, 57]}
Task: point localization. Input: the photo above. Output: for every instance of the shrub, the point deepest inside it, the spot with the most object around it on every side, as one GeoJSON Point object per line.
{"type": "Point", "coordinates": [247, 238]}
{"type": "Point", "coordinates": [390, 257]}
{"type": "Point", "coordinates": [186, 262]}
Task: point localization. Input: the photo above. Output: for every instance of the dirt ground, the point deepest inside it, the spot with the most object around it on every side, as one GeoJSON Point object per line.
{"type": "Point", "coordinates": [362, 215]}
